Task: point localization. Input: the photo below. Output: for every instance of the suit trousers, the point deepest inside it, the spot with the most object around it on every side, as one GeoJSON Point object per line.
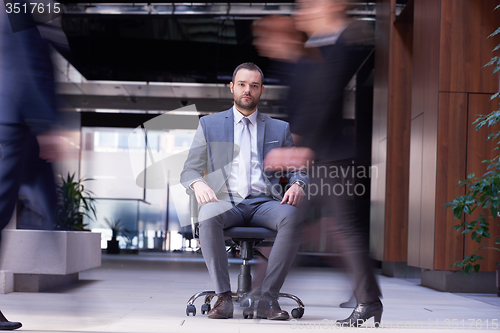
{"type": "Point", "coordinates": [21, 167]}
{"type": "Point", "coordinates": [335, 193]}
{"type": "Point", "coordinates": [253, 211]}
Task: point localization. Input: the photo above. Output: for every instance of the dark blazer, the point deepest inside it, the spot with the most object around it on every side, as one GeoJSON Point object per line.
{"type": "Point", "coordinates": [27, 89]}
{"type": "Point", "coordinates": [213, 150]}
{"type": "Point", "coordinates": [317, 93]}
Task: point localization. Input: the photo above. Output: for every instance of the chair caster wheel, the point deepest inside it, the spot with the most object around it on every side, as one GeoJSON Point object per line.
{"type": "Point", "coordinates": [246, 302]}
{"type": "Point", "coordinates": [297, 312]}
{"type": "Point", "coordinates": [248, 313]}
{"type": "Point", "coordinates": [191, 309]}
{"type": "Point", "coordinates": [205, 308]}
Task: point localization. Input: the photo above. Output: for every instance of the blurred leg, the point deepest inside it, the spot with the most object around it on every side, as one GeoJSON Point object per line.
{"type": "Point", "coordinates": [354, 250]}
{"type": "Point", "coordinates": [12, 144]}
{"type": "Point", "coordinates": [37, 189]}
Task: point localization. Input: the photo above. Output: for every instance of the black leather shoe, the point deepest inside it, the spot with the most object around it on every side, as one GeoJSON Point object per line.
{"type": "Point", "coordinates": [362, 313]}
{"type": "Point", "coordinates": [269, 308]}
{"type": "Point", "coordinates": [223, 308]}
{"type": "Point", "coordinates": [9, 325]}
{"type": "Point", "coordinates": [351, 303]}
{"type": "Point", "coordinates": [6, 325]}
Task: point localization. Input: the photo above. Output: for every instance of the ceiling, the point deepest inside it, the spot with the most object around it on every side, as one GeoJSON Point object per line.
{"type": "Point", "coordinates": [155, 57]}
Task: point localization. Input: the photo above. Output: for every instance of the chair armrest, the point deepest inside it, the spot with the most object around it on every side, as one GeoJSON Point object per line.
{"type": "Point", "coordinates": [193, 212]}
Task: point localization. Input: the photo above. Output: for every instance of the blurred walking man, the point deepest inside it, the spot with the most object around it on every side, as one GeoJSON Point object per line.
{"type": "Point", "coordinates": [27, 116]}
{"type": "Point", "coordinates": [317, 120]}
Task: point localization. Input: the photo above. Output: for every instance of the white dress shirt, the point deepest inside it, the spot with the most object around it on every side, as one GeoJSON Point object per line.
{"type": "Point", "coordinates": [258, 185]}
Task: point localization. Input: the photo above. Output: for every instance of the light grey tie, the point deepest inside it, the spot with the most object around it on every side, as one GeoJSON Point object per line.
{"type": "Point", "coordinates": [245, 160]}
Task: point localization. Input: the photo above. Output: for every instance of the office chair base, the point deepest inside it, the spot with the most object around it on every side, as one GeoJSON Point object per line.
{"type": "Point", "coordinates": [296, 312]}
{"type": "Point", "coordinates": [248, 313]}
{"type": "Point", "coordinates": [247, 301]}
{"type": "Point", "coordinates": [191, 308]}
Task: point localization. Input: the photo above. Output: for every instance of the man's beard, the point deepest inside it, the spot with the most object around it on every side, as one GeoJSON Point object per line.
{"type": "Point", "coordinates": [248, 106]}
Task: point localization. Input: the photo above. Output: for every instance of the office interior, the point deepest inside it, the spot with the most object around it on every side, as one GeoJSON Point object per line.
{"type": "Point", "coordinates": [411, 106]}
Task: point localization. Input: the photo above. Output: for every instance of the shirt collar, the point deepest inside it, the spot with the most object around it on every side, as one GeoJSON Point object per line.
{"type": "Point", "coordinates": [238, 116]}
{"type": "Point", "coordinates": [318, 41]}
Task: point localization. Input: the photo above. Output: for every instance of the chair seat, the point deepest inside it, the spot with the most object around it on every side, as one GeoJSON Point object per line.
{"type": "Point", "coordinates": [250, 232]}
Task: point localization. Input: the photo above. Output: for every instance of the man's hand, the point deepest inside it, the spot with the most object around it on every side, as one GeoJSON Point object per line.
{"type": "Point", "coordinates": [204, 193]}
{"type": "Point", "coordinates": [294, 195]}
{"type": "Point", "coordinates": [286, 158]}
{"type": "Point", "coordinates": [54, 146]}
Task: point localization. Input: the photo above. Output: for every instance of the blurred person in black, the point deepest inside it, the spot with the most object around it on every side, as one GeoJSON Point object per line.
{"type": "Point", "coordinates": [28, 115]}
{"type": "Point", "coordinates": [316, 118]}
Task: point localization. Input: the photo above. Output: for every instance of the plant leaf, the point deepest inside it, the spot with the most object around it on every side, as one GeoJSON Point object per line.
{"type": "Point", "coordinates": [495, 33]}
{"type": "Point", "coordinates": [492, 61]}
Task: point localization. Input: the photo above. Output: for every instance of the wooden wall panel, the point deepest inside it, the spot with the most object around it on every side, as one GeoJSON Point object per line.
{"type": "Point", "coordinates": [377, 215]}
{"type": "Point", "coordinates": [376, 240]}
{"type": "Point", "coordinates": [478, 149]}
{"type": "Point", "coordinates": [426, 38]}
{"type": "Point", "coordinates": [415, 190]}
{"type": "Point", "coordinates": [465, 48]}
{"type": "Point", "coordinates": [398, 143]}
{"type": "Point", "coordinates": [490, 21]}
{"type": "Point", "coordinates": [379, 130]}
{"type": "Point", "coordinates": [451, 163]}
{"type": "Point", "coordinates": [385, 16]}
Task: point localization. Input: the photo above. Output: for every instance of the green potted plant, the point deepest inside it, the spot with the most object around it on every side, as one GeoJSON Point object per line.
{"type": "Point", "coordinates": [117, 229]}
{"type": "Point", "coordinates": [128, 237]}
{"type": "Point", "coordinates": [75, 202]}
{"type": "Point", "coordinates": [66, 251]}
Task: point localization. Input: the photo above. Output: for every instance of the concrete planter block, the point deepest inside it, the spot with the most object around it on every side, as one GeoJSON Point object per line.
{"type": "Point", "coordinates": [456, 282]}
{"type": "Point", "coordinates": [400, 270]}
{"type": "Point", "coordinates": [29, 283]}
{"type": "Point", "coordinates": [6, 282]}
{"type": "Point", "coordinates": [42, 252]}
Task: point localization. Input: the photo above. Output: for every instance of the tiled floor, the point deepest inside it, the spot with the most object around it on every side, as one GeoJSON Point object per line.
{"type": "Point", "coordinates": [148, 293]}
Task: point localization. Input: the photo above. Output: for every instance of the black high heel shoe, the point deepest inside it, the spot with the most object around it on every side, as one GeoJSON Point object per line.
{"type": "Point", "coordinates": [362, 313]}
{"type": "Point", "coordinates": [6, 325]}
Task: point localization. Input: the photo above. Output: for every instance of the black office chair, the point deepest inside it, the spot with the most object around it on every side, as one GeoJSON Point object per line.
{"type": "Point", "coordinates": [243, 240]}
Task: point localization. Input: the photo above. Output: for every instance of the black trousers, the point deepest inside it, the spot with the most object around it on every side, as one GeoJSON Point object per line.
{"type": "Point", "coordinates": [335, 189]}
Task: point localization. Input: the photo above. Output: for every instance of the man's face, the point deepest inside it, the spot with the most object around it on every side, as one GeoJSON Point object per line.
{"type": "Point", "coordinates": [275, 37]}
{"type": "Point", "coordinates": [247, 89]}
{"type": "Point", "coordinates": [311, 15]}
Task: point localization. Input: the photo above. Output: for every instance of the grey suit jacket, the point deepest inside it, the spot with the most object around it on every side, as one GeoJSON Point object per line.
{"type": "Point", "coordinates": [213, 150]}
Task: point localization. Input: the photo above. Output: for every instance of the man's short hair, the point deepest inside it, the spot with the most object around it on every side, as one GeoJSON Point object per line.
{"type": "Point", "coordinates": [251, 67]}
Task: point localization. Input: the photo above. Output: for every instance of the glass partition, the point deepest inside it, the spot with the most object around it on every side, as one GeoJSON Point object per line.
{"type": "Point", "coordinates": [113, 158]}
{"type": "Point", "coordinates": [108, 157]}
{"type": "Point", "coordinates": [123, 211]}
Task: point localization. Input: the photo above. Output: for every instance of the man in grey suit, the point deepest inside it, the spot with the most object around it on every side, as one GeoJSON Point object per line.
{"type": "Point", "coordinates": [229, 148]}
